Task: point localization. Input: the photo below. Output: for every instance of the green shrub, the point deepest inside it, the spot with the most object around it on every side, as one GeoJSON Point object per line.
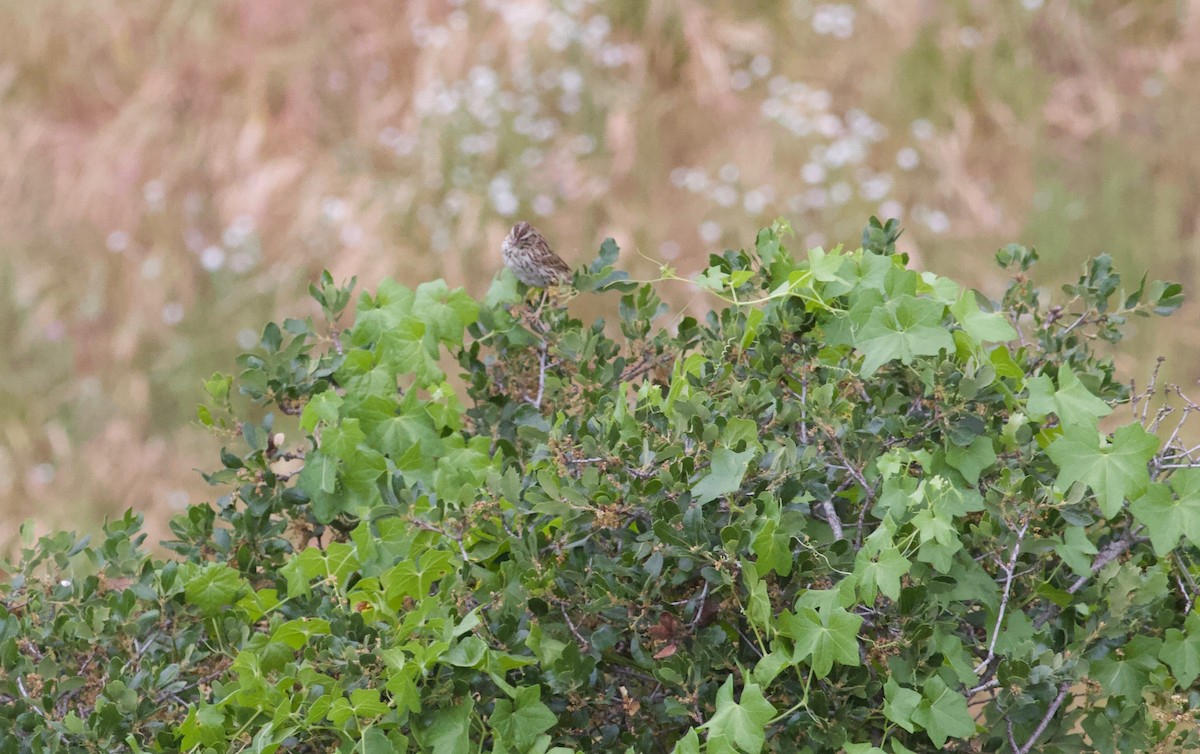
{"type": "Point", "coordinates": [848, 510]}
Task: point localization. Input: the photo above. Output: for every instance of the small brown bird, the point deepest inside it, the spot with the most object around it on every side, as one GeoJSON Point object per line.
{"type": "Point", "coordinates": [530, 258]}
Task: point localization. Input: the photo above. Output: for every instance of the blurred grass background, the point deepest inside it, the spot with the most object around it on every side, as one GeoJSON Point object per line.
{"type": "Point", "coordinates": [173, 174]}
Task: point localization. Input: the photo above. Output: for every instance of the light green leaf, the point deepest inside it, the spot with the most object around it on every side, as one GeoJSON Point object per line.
{"type": "Point", "coordinates": [382, 312]}
{"type": "Point", "coordinates": [1077, 550]}
{"type": "Point", "coordinates": [903, 328]}
{"type": "Point", "coordinates": [214, 587]}
{"type": "Point", "coordinates": [980, 325]}
{"type": "Point", "coordinates": [724, 476]}
{"type": "Point", "coordinates": [900, 704]}
{"type": "Point", "coordinates": [742, 723]}
{"type": "Point", "coordinates": [771, 547]}
{"type": "Point", "coordinates": [1075, 404]}
{"type": "Point", "coordinates": [943, 713]}
{"type": "Point", "coordinates": [881, 574]}
{"type": "Point", "coordinates": [1126, 672]}
{"type": "Point", "coordinates": [689, 744]}
{"type": "Point", "coordinates": [1114, 470]}
{"type": "Point", "coordinates": [1165, 517]}
{"type": "Point", "coordinates": [972, 460]}
{"type": "Point", "coordinates": [822, 638]}
{"type": "Point", "coordinates": [1182, 651]}
{"type": "Point", "coordinates": [521, 721]}
{"type": "Point", "coordinates": [449, 730]}
{"type": "Point", "coordinates": [445, 313]}
{"type": "Point", "coordinates": [322, 407]}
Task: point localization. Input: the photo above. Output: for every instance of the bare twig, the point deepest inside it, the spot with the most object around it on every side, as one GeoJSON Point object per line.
{"type": "Point", "coordinates": [584, 646]}
{"type": "Point", "coordinates": [1063, 688]}
{"type": "Point", "coordinates": [1111, 552]}
{"type": "Point", "coordinates": [831, 518]}
{"type": "Point", "coordinates": [1009, 568]}
{"type": "Point", "coordinates": [804, 409]}
{"type": "Point", "coordinates": [868, 491]}
{"type": "Point", "coordinates": [982, 687]}
{"type": "Point", "coordinates": [700, 606]}
{"type": "Point", "coordinates": [537, 402]}
{"type": "Point", "coordinates": [32, 703]}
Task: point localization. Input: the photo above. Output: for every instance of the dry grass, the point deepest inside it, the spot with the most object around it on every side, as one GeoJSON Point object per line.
{"type": "Point", "coordinates": [174, 173]}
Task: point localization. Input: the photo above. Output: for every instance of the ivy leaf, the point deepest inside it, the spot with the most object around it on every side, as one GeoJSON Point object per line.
{"type": "Point", "coordinates": [689, 744]}
{"type": "Point", "coordinates": [903, 328]}
{"type": "Point", "coordinates": [414, 577]}
{"type": "Point", "coordinates": [971, 461]}
{"type": "Point", "coordinates": [445, 313]}
{"type": "Point", "coordinates": [213, 587]}
{"type": "Point", "coordinates": [205, 724]}
{"type": "Point", "coordinates": [724, 476]}
{"type": "Point", "coordinates": [1126, 673]}
{"type": "Point", "coordinates": [822, 638]}
{"type": "Point", "coordinates": [521, 721]}
{"type": "Point", "coordinates": [323, 407]}
{"type": "Point", "coordinates": [1114, 470]}
{"type": "Point", "coordinates": [981, 325]}
{"type": "Point", "coordinates": [743, 723]}
{"type": "Point", "coordinates": [882, 574]}
{"type": "Point", "coordinates": [900, 704]}
{"type": "Point", "coordinates": [771, 547]}
{"type": "Point", "coordinates": [377, 314]}
{"type": "Point", "coordinates": [943, 713]}
{"type": "Point", "coordinates": [448, 731]}
{"type": "Point", "coordinates": [1166, 518]}
{"type": "Point", "coordinates": [862, 749]}
{"type": "Point", "coordinates": [404, 349]}
{"type": "Point", "coordinates": [1181, 651]}
{"type": "Point", "coordinates": [1077, 550]}
{"type": "Point", "coordinates": [1076, 404]}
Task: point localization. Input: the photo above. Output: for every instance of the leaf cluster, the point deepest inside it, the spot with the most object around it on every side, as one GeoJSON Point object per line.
{"type": "Point", "coordinates": [855, 507]}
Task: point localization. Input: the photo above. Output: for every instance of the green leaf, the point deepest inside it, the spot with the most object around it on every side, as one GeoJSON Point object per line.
{"type": "Point", "coordinates": [900, 704]}
{"type": "Point", "coordinates": [1075, 404]}
{"type": "Point", "coordinates": [1165, 517]}
{"type": "Point", "coordinates": [771, 547]}
{"type": "Point", "coordinates": [213, 587]}
{"type": "Point", "coordinates": [521, 721]}
{"type": "Point", "coordinates": [980, 325]}
{"type": "Point", "coordinates": [376, 315]}
{"type": "Point", "coordinates": [943, 713]}
{"type": "Point", "coordinates": [689, 744]}
{"type": "Point", "coordinates": [972, 460]}
{"type": "Point", "coordinates": [445, 313]}
{"type": "Point", "coordinates": [1181, 651]}
{"type": "Point", "coordinates": [415, 577]}
{"type": "Point", "coordinates": [405, 350]}
{"type": "Point", "coordinates": [1077, 550]}
{"type": "Point", "coordinates": [822, 638]}
{"type": "Point", "coordinates": [1114, 470]}
{"type": "Point", "coordinates": [903, 328]}
{"type": "Point", "coordinates": [448, 731]}
{"type": "Point", "coordinates": [724, 476]}
{"type": "Point", "coordinates": [881, 574]}
{"type": "Point", "coordinates": [1126, 670]}
{"type": "Point", "coordinates": [321, 407]}
{"type": "Point", "coordinates": [204, 725]}
{"type": "Point", "coordinates": [862, 749]}
{"type": "Point", "coordinates": [742, 723]}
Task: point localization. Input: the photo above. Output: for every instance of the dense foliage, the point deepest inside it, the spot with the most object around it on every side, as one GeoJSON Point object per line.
{"type": "Point", "coordinates": [849, 509]}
